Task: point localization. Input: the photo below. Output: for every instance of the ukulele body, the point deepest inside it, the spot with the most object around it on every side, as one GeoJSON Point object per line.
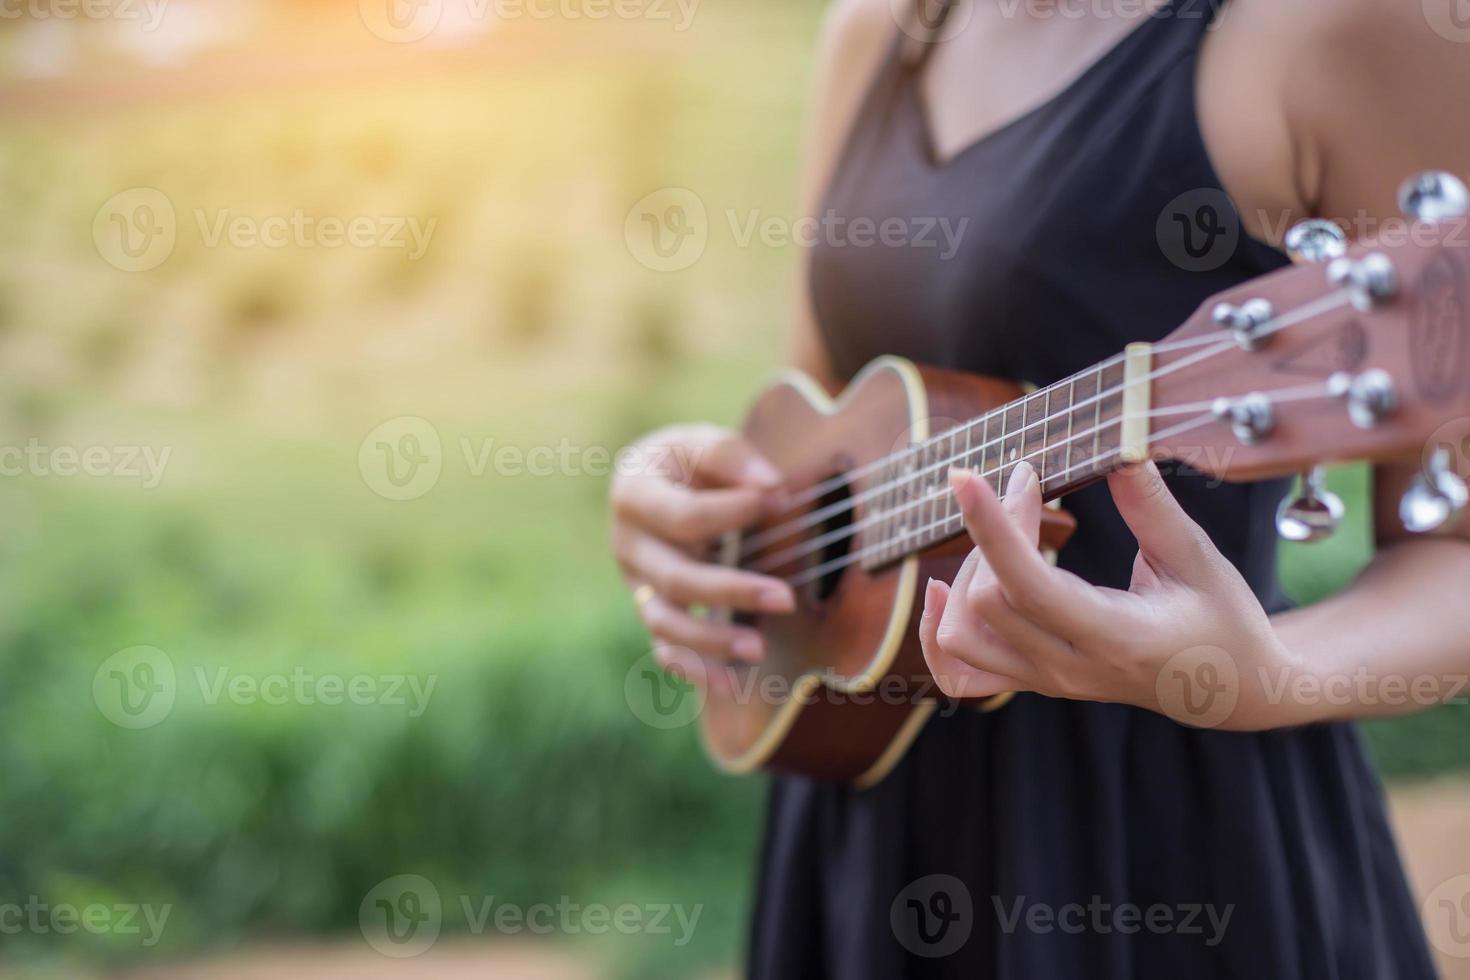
{"type": "Point", "coordinates": [844, 689]}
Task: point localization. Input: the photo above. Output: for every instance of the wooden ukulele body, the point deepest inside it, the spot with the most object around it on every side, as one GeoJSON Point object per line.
{"type": "Point", "coordinates": [844, 688]}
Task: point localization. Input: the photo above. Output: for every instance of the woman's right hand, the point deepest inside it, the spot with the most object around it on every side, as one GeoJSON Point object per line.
{"type": "Point", "coordinates": [688, 485]}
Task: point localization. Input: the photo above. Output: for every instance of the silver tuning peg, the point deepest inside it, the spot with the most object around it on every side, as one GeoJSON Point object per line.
{"type": "Point", "coordinates": [1313, 514]}
{"type": "Point", "coordinates": [1436, 498]}
{"type": "Point", "coordinates": [1434, 196]}
{"type": "Point", "coordinates": [1315, 240]}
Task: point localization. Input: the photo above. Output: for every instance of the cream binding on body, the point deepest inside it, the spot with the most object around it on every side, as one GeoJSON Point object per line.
{"type": "Point", "coordinates": [908, 575]}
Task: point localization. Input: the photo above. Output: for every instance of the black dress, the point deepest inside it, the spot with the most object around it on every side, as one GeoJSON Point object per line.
{"type": "Point", "coordinates": [1060, 839]}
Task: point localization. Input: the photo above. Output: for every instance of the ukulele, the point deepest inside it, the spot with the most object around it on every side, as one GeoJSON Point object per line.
{"type": "Point", "coordinates": [1353, 353]}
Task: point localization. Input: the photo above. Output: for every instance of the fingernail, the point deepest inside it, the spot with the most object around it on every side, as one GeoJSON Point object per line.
{"type": "Point", "coordinates": [1021, 477]}
{"type": "Point", "coordinates": [929, 594]}
{"type": "Point", "coordinates": [777, 599]}
{"type": "Point", "coordinates": [748, 646]}
{"type": "Point", "coordinates": [958, 477]}
{"type": "Point", "coordinates": [760, 472]}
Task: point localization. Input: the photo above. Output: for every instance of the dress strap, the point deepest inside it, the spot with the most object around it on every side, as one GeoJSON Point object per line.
{"type": "Point", "coordinates": [922, 32]}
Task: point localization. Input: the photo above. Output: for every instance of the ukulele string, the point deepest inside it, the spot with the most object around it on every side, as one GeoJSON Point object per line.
{"type": "Point", "coordinates": [819, 490]}
{"type": "Point", "coordinates": [816, 572]}
{"type": "Point", "coordinates": [758, 542]}
{"type": "Point", "coordinates": [785, 556]}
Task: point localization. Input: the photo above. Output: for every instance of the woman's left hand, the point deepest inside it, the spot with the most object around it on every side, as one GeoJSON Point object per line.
{"type": "Point", "coordinates": [1188, 638]}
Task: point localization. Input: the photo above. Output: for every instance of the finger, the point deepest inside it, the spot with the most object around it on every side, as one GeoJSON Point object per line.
{"type": "Point", "coordinates": [1173, 543]}
{"type": "Point", "coordinates": [1056, 601]}
{"type": "Point", "coordinates": [669, 623]}
{"type": "Point", "coordinates": [1033, 645]}
{"type": "Point", "coordinates": [686, 582]}
{"type": "Point", "coordinates": [954, 676]}
{"type": "Point", "coordinates": [687, 516]}
{"type": "Point", "coordinates": [689, 667]}
{"type": "Point", "coordinates": [726, 458]}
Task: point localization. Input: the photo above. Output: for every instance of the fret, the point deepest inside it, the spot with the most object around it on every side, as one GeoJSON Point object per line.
{"type": "Point", "coordinates": [1041, 461]}
{"type": "Point", "coordinates": [1012, 441]}
{"type": "Point", "coordinates": [907, 509]}
{"type": "Point", "coordinates": [947, 509]}
{"type": "Point", "coordinates": [954, 511]}
{"type": "Point", "coordinates": [1068, 431]}
{"type": "Point", "coordinates": [1071, 401]}
{"type": "Point", "coordinates": [1111, 410]}
{"type": "Point", "coordinates": [1032, 444]}
{"type": "Point", "coordinates": [1097, 420]}
{"type": "Point", "coordinates": [882, 529]}
{"type": "Point", "coordinates": [929, 465]}
{"type": "Point", "coordinates": [1079, 447]}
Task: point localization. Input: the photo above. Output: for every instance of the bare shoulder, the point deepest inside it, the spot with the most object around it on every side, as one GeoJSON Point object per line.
{"type": "Point", "coordinates": [1364, 92]}
{"type": "Point", "coordinates": [856, 35]}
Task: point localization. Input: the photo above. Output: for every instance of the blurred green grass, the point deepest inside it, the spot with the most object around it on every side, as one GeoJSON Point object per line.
{"type": "Point", "coordinates": [264, 550]}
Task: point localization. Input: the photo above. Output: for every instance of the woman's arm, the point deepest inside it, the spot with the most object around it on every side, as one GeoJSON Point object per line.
{"type": "Point", "coordinates": [856, 36]}
{"type": "Point", "coordinates": [1398, 639]}
{"type": "Point", "coordinates": [1373, 91]}
{"type": "Point", "coordinates": [1309, 108]}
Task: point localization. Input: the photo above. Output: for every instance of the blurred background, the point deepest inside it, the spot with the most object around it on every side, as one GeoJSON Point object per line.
{"type": "Point", "coordinates": [319, 325]}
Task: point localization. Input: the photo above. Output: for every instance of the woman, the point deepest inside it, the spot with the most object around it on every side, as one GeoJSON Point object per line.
{"type": "Point", "coordinates": [1078, 831]}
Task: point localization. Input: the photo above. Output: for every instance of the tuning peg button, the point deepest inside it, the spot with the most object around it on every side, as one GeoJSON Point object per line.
{"type": "Point", "coordinates": [1315, 240]}
{"type": "Point", "coordinates": [1251, 417]}
{"type": "Point", "coordinates": [1247, 321]}
{"type": "Point", "coordinates": [1370, 396]}
{"type": "Point", "coordinates": [1313, 514]}
{"type": "Point", "coordinates": [1369, 281]}
{"type": "Point", "coordinates": [1434, 196]}
{"type": "Point", "coordinates": [1436, 498]}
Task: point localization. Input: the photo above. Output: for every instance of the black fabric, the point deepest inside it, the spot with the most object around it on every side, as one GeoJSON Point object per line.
{"type": "Point", "coordinates": [1083, 810]}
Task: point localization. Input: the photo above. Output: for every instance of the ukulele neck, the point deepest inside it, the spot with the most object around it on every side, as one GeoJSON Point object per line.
{"type": "Point", "coordinates": [1072, 433]}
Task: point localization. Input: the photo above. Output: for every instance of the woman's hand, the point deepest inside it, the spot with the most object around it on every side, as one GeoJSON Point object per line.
{"type": "Point", "coordinates": [690, 485]}
{"type": "Point", "coordinates": [1188, 638]}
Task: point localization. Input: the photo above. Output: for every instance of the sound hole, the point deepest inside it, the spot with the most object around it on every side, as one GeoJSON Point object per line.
{"type": "Point", "coordinates": [835, 531]}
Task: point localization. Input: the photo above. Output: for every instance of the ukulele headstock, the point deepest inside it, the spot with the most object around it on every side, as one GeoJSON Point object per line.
{"type": "Point", "coordinates": [1354, 353]}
